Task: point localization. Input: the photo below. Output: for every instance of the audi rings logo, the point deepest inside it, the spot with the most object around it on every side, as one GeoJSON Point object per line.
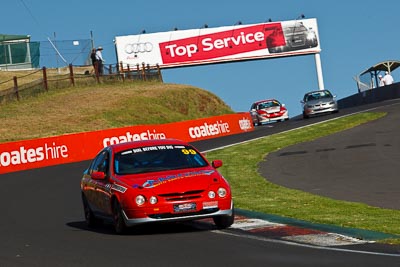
{"type": "Point", "coordinates": [138, 48]}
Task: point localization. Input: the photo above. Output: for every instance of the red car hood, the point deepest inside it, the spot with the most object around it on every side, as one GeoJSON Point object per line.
{"type": "Point", "coordinates": [176, 180]}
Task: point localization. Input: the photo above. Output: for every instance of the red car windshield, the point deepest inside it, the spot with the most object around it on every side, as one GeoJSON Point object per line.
{"type": "Point", "coordinates": [157, 158]}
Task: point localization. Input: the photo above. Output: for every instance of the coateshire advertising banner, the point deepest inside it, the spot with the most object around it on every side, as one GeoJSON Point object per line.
{"type": "Point", "coordinates": [221, 44]}
{"type": "Point", "coordinates": [37, 153]}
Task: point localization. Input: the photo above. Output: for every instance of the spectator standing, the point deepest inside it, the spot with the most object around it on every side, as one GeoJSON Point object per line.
{"type": "Point", "coordinates": [381, 83]}
{"type": "Point", "coordinates": [93, 58]}
{"type": "Point", "coordinates": [99, 60]}
{"type": "Point", "coordinates": [387, 79]}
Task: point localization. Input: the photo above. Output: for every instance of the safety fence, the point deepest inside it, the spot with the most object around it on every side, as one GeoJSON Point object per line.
{"type": "Point", "coordinates": [18, 51]}
{"type": "Point", "coordinates": [32, 83]}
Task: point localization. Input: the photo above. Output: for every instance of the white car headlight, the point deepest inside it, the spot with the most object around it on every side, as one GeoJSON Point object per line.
{"type": "Point", "coordinates": [211, 194]}
{"type": "Point", "coordinates": [140, 200]}
{"type": "Point", "coordinates": [221, 192]}
{"type": "Point", "coordinates": [311, 36]}
{"type": "Point", "coordinates": [153, 200]}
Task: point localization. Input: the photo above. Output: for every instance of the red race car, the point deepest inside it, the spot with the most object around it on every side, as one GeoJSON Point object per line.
{"type": "Point", "coordinates": [268, 110]}
{"type": "Point", "coordinates": [154, 181]}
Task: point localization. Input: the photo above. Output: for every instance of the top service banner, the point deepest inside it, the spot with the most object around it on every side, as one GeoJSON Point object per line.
{"type": "Point", "coordinates": [222, 44]}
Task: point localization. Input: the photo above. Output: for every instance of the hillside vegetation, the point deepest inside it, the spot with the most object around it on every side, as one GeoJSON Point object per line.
{"type": "Point", "coordinates": [103, 106]}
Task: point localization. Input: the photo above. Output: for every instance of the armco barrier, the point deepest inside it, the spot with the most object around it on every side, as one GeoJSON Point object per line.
{"type": "Point", "coordinates": [371, 96]}
{"type": "Point", "coordinates": [42, 152]}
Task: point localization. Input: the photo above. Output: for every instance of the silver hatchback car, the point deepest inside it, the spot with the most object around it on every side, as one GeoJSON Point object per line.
{"type": "Point", "coordinates": [319, 102]}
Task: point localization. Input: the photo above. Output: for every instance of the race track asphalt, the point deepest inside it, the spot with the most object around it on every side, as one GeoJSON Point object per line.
{"type": "Point", "coordinates": [43, 224]}
{"type": "Point", "coordinates": [359, 165]}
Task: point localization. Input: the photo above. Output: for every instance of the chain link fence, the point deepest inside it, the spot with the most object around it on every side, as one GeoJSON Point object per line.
{"type": "Point", "coordinates": [55, 54]}
{"type": "Point", "coordinates": [49, 54]}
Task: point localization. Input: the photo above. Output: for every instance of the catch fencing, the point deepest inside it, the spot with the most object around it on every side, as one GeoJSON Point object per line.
{"type": "Point", "coordinates": [26, 54]}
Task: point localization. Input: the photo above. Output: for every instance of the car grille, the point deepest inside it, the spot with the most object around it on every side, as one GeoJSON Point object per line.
{"type": "Point", "coordinates": [177, 215]}
{"type": "Point", "coordinates": [298, 41]}
{"type": "Point", "coordinates": [321, 106]}
{"type": "Point", "coordinates": [178, 196]}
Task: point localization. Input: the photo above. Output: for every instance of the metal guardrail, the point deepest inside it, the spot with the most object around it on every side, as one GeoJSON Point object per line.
{"type": "Point", "coordinates": [371, 96]}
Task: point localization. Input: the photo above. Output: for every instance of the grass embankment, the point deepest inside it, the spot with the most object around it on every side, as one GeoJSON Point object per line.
{"type": "Point", "coordinates": [253, 192]}
{"type": "Point", "coordinates": [79, 109]}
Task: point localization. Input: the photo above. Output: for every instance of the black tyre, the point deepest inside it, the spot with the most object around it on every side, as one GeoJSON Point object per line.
{"type": "Point", "coordinates": [90, 219]}
{"type": "Point", "coordinates": [118, 219]}
{"type": "Point", "coordinates": [223, 222]}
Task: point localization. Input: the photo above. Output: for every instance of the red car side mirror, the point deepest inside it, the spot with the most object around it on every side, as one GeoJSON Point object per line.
{"type": "Point", "coordinates": [98, 175]}
{"type": "Point", "coordinates": [217, 163]}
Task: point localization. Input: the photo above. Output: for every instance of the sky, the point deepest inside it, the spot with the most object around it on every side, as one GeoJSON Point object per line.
{"type": "Point", "coordinates": [354, 35]}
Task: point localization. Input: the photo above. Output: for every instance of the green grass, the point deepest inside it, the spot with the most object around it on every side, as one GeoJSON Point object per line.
{"type": "Point", "coordinates": [253, 192]}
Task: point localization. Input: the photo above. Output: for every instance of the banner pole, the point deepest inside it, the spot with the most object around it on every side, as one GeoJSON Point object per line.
{"type": "Point", "coordinates": [319, 71]}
